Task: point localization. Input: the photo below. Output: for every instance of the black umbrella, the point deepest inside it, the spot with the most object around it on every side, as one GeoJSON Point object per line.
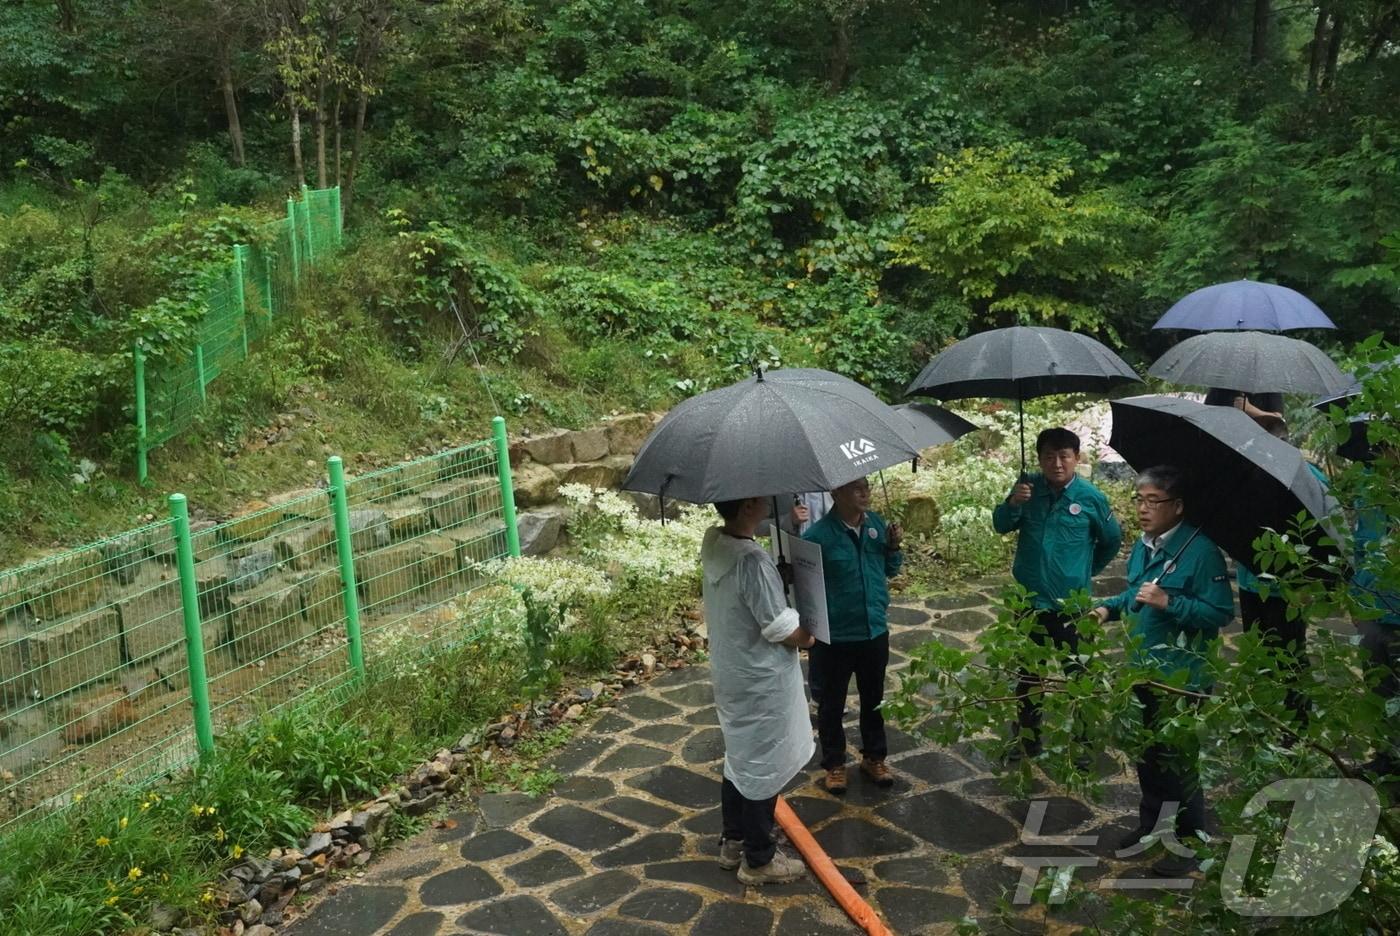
{"type": "Point", "coordinates": [1244, 478]}
{"type": "Point", "coordinates": [783, 431]}
{"type": "Point", "coordinates": [1250, 362]}
{"type": "Point", "coordinates": [1357, 445]}
{"type": "Point", "coordinates": [933, 425]}
{"type": "Point", "coordinates": [1244, 304]}
{"type": "Point", "coordinates": [1019, 364]}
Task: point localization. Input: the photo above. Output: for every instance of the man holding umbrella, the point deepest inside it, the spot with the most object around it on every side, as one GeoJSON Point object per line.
{"type": "Point", "coordinates": [1066, 534]}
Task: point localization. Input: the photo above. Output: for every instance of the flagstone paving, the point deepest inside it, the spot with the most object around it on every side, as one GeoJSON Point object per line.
{"type": "Point", "coordinates": [626, 844]}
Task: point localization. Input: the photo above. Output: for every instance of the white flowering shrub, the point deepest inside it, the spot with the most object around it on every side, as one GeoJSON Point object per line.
{"type": "Point", "coordinates": [556, 582]}
{"type": "Point", "coordinates": [612, 535]}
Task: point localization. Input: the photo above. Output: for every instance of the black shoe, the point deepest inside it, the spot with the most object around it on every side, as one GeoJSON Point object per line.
{"type": "Point", "coordinates": [1023, 747]}
{"type": "Point", "coordinates": [1131, 839]}
{"type": "Point", "coordinates": [1175, 866]}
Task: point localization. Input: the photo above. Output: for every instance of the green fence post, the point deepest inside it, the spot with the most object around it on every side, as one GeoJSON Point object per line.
{"type": "Point", "coordinates": [194, 633]}
{"type": "Point", "coordinates": [292, 236]}
{"type": "Point", "coordinates": [238, 291]}
{"type": "Point", "coordinates": [339, 221]}
{"type": "Point", "coordinates": [498, 429]}
{"type": "Point", "coordinates": [138, 359]}
{"type": "Point", "coordinates": [341, 507]}
{"type": "Point", "coordinates": [199, 371]}
{"type": "Point", "coordinates": [306, 213]}
{"type": "Point", "coordinates": [267, 259]}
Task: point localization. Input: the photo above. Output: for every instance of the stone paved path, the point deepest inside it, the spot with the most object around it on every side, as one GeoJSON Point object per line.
{"type": "Point", "coordinates": [625, 845]}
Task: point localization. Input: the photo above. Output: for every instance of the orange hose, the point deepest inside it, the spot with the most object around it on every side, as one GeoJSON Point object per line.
{"type": "Point", "coordinates": [827, 872]}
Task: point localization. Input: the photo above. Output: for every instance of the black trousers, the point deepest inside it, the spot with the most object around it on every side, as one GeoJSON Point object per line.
{"type": "Point", "coordinates": [830, 667]}
{"type": "Point", "coordinates": [748, 821]}
{"type": "Point", "coordinates": [1051, 626]}
{"type": "Point", "coordinates": [1169, 774]}
{"type": "Point", "coordinates": [1382, 644]}
{"type": "Point", "coordinates": [1269, 616]}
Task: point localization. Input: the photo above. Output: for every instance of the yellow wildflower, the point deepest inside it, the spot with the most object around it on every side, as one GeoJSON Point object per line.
{"type": "Point", "coordinates": [207, 897]}
{"type": "Point", "coordinates": [136, 891]}
{"type": "Point", "coordinates": [122, 824]}
{"type": "Point", "coordinates": [236, 851]}
{"type": "Point", "coordinates": [78, 797]}
{"type": "Point", "coordinates": [133, 874]}
{"type": "Point", "coordinates": [145, 805]}
{"type": "Point", "coordinates": [219, 834]}
{"type": "Point", "coordinates": [103, 841]}
{"type": "Point", "coordinates": [111, 901]}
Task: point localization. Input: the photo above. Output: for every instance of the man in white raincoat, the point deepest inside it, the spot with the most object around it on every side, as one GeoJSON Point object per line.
{"type": "Point", "coordinates": [754, 637]}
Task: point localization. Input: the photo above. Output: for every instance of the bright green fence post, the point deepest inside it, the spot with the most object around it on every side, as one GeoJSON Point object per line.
{"type": "Point", "coordinates": [306, 213]}
{"type": "Point", "coordinates": [292, 236]}
{"type": "Point", "coordinates": [194, 633]}
{"type": "Point", "coordinates": [335, 206]}
{"type": "Point", "coordinates": [199, 371]}
{"type": "Point", "coordinates": [341, 507]}
{"type": "Point", "coordinates": [238, 266]}
{"type": "Point", "coordinates": [138, 359]}
{"type": "Point", "coordinates": [498, 430]}
{"type": "Point", "coordinates": [267, 259]}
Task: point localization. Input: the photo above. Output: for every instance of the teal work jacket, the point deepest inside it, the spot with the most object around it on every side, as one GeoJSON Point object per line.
{"type": "Point", "coordinates": [1200, 604]}
{"type": "Point", "coordinates": [1063, 541]}
{"type": "Point", "coordinates": [855, 569]}
{"type": "Point", "coordinates": [1246, 579]}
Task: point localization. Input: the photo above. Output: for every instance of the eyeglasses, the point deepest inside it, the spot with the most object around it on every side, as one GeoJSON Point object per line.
{"type": "Point", "coordinates": [1153, 502]}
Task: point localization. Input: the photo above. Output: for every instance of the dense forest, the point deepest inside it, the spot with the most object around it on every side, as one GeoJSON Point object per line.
{"type": "Point", "coordinates": [621, 201]}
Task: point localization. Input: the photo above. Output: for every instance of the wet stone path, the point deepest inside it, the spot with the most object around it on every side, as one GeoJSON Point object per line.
{"type": "Point", "coordinates": [626, 843]}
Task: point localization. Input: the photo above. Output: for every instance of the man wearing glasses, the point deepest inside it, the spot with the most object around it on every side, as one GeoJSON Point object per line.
{"type": "Point", "coordinates": [1177, 600]}
{"type": "Point", "coordinates": [1066, 534]}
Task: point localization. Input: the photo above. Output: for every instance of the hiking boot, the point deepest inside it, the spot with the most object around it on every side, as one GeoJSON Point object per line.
{"type": "Point", "coordinates": [1130, 841]}
{"type": "Point", "coordinates": [835, 781]}
{"type": "Point", "coordinates": [731, 853]}
{"type": "Point", "coordinates": [781, 870]}
{"type": "Point", "coordinates": [1175, 866]}
{"type": "Point", "coordinates": [878, 771]}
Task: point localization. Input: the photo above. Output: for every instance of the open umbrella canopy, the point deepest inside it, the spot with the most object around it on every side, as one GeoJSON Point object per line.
{"type": "Point", "coordinates": [1250, 362]}
{"type": "Point", "coordinates": [1021, 363]}
{"type": "Point", "coordinates": [1241, 478]}
{"type": "Point", "coordinates": [1244, 304]}
{"type": "Point", "coordinates": [933, 425]}
{"type": "Point", "coordinates": [786, 430]}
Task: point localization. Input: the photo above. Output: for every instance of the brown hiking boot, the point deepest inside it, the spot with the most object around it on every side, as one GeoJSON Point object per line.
{"type": "Point", "coordinates": [781, 870]}
{"type": "Point", "coordinates": [835, 781]}
{"type": "Point", "coordinates": [878, 771]}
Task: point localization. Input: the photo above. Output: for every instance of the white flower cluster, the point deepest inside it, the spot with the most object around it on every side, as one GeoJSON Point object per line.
{"type": "Point", "coordinates": [551, 581]}
{"type": "Point", "coordinates": [613, 535]}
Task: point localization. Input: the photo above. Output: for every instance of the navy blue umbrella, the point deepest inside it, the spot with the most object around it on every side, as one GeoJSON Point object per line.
{"type": "Point", "coordinates": [1244, 305]}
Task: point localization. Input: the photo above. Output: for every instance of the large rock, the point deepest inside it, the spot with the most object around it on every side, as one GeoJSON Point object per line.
{"type": "Point", "coordinates": [252, 570]}
{"type": "Point", "coordinates": [604, 474]}
{"type": "Point", "coordinates": [407, 522]}
{"type": "Point", "coordinates": [589, 444]}
{"type": "Point", "coordinates": [439, 566]}
{"type": "Point", "coordinates": [476, 543]}
{"type": "Point", "coordinates": [534, 485]}
{"type": "Point", "coordinates": [152, 614]}
{"type": "Point", "coordinates": [415, 476]}
{"type": "Point", "coordinates": [450, 504]}
{"type": "Point", "coordinates": [265, 620]}
{"type": "Point", "coordinates": [322, 598]}
{"type": "Point", "coordinates": [386, 575]}
{"type": "Point", "coordinates": [648, 505]}
{"type": "Point", "coordinates": [551, 448]}
{"type": "Point", "coordinates": [540, 529]}
{"type": "Point", "coordinates": [76, 651]}
{"type": "Point", "coordinates": [369, 529]}
{"type": "Point", "coordinates": [258, 523]}
{"type": "Point", "coordinates": [302, 504]}
{"type": "Point", "coordinates": [306, 546]}
{"type": "Point", "coordinates": [627, 433]}
{"type": "Point", "coordinates": [66, 585]}
{"type": "Point", "coordinates": [921, 515]}
{"type": "Point", "coordinates": [16, 680]}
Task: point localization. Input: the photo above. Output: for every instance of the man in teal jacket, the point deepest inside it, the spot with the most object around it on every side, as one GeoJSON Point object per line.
{"type": "Point", "coordinates": [860, 552]}
{"type": "Point", "coordinates": [1378, 618]}
{"type": "Point", "coordinates": [1177, 600]}
{"type": "Point", "coordinates": [1066, 534]}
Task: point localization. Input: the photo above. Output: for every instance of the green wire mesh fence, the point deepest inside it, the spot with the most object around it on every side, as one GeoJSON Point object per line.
{"type": "Point", "coordinates": [125, 658]}
{"type": "Point", "coordinates": [242, 299]}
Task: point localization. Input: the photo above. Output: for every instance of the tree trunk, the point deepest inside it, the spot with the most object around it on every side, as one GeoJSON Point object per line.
{"type": "Point", "coordinates": [1334, 48]}
{"type": "Point", "coordinates": [296, 144]}
{"type": "Point", "coordinates": [1317, 48]}
{"type": "Point", "coordinates": [840, 56]}
{"type": "Point", "coordinates": [321, 131]}
{"type": "Point", "coordinates": [67, 17]}
{"type": "Point", "coordinates": [339, 97]}
{"type": "Point", "coordinates": [1259, 45]}
{"type": "Point", "coordinates": [235, 128]}
{"type": "Point", "coordinates": [355, 142]}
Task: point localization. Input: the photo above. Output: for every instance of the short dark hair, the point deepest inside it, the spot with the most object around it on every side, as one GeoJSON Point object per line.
{"type": "Point", "coordinates": [1055, 439]}
{"type": "Point", "coordinates": [1167, 478]}
{"type": "Point", "coordinates": [729, 509]}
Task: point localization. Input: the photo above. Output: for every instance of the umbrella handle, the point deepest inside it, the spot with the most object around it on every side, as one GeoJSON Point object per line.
{"type": "Point", "coordinates": [1021, 414]}
{"type": "Point", "coordinates": [784, 567]}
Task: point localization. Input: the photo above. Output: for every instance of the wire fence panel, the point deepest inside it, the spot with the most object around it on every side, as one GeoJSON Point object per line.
{"type": "Point", "coordinates": [431, 525]}
{"type": "Point", "coordinates": [239, 311]}
{"type": "Point", "coordinates": [91, 666]}
{"type": "Point", "coordinates": [95, 673]}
